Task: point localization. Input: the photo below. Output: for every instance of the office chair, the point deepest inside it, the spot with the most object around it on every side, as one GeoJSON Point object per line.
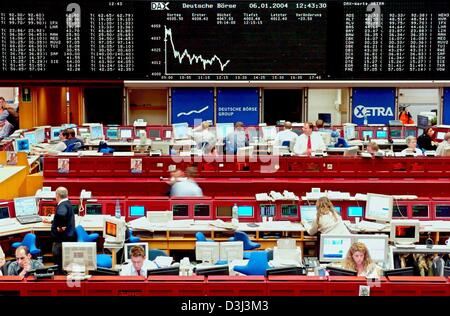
{"type": "Point", "coordinates": [257, 265]}
{"type": "Point", "coordinates": [199, 236]}
{"type": "Point", "coordinates": [30, 241]}
{"type": "Point", "coordinates": [130, 238]}
{"type": "Point", "coordinates": [153, 253]}
{"type": "Point", "coordinates": [83, 236]}
{"type": "Point", "coordinates": [104, 261]}
{"type": "Point", "coordinates": [74, 147]}
{"type": "Point", "coordinates": [248, 244]}
{"type": "Point", "coordinates": [341, 143]}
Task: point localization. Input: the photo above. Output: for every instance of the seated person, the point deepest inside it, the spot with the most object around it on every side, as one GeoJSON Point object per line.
{"type": "Point", "coordinates": [235, 140]}
{"type": "Point", "coordinates": [328, 221]}
{"type": "Point", "coordinates": [6, 129]}
{"type": "Point", "coordinates": [309, 141]}
{"type": "Point", "coordinates": [203, 137]}
{"type": "Point", "coordinates": [286, 135]}
{"type": "Point", "coordinates": [411, 142]}
{"type": "Point", "coordinates": [425, 141]}
{"type": "Point", "coordinates": [444, 145]}
{"type": "Point", "coordinates": [71, 139]}
{"type": "Point", "coordinates": [320, 124]}
{"type": "Point", "coordinates": [2, 260]}
{"type": "Point", "coordinates": [374, 149]}
{"type": "Point", "coordinates": [358, 259]}
{"type": "Point", "coordinates": [186, 186]}
{"type": "Point", "coordinates": [24, 262]}
{"type": "Point", "coordinates": [55, 148]}
{"type": "Point", "coordinates": [138, 264]}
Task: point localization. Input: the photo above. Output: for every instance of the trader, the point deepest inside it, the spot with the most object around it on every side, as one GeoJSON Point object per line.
{"type": "Point", "coordinates": [23, 263]}
{"type": "Point", "coordinates": [309, 141]}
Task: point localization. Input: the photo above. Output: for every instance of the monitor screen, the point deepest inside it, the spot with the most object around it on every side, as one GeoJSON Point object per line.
{"type": "Point", "coordinates": [40, 135]}
{"type": "Point", "coordinates": [396, 133]}
{"type": "Point", "coordinates": [422, 121]}
{"type": "Point", "coordinates": [267, 210]}
{"type": "Point", "coordinates": [180, 130]}
{"type": "Point", "coordinates": [440, 135]}
{"type": "Point", "coordinates": [96, 132]}
{"type": "Point", "coordinates": [224, 211]}
{"type": "Point", "coordinates": [223, 129]}
{"type": "Point", "coordinates": [54, 133]}
{"type": "Point", "coordinates": [355, 211]}
{"type": "Point", "coordinates": [367, 134]}
{"type": "Point", "coordinates": [381, 134]}
{"type": "Point", "coordinates": [155, 133]}
{"type": "Point", "coordinates": [201, 210]}
{"type": "Point", "coordinates": [164, 271]}
{"type": "Point", "coordinates": [400, 211]}
{"type": "Point", "coordinates": [405, 231]}
{"type": "Point", "coordinates": [269, 132]}
{"type": "Point", "coordinates": [289, 210]}
{"type": "Point", "coordinates": [137, 210]}
{"type": "Point", "coordinates": [111, 229]}
{"type": "Point", "coordinates": [377, 245]}
{"type": "Point", "coordinates": [325, 117]}
{"type": "Point", "coordinates": [334, 248]}
{"type": "Point", "coordinates": [47, 210]}
{"type": "Point", "coordinates": [22, 145]}
{"type": "Point", "coordinates": [442, 211]}
{"type": "Point", "coordinates": [75, 209]}
{"type": "Point", "coordinates": [180, 210]}
{"type": "Point", "coordinates": [25, 206]}
{"type": "Point", "coordinates": [308, 213]}
{"type": "Point", "coordinates": [245, 211]}
{"type": "Point", "coordinates": [379, 207]}
{"type": "Point", "coordinates": [349, 131]}
{"type": "Point", "coordinates": [338, 209]}
{"type": "Point", "coordinates": [94, 209]}
{"type": "Point", "coordinates": [112, 133]}
{"type": "Point", "coordinates": [419, 210]}
{"type": "Point", "coordinates": [410, 132]}
{"type": "Point", "coordinates": [126, 133]}
{"type": "Point", "coordinates": [4, 212]}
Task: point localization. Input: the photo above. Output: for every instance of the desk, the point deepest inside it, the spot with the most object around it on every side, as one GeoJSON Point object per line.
{"type": "Point", "coordinates": [11, 178]}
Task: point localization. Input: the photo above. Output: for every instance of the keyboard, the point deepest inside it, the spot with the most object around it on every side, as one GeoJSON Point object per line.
{"type": "Point", "coordinates": [7, 222]}
{"type": "Point", "coordinates": [365, 225]}
{"type": "Point", "coordinates": [29, 219]}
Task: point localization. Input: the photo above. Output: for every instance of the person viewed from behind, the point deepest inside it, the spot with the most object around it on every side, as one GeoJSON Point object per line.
{"type": "Point", "coordinates": [327, 221]}
{"type": "Point", "coordinates": [24, 263]}
{"type": "Point", "coordinates": [204, 138]}
{"type": "Point", "coordinates": [320, 124]}
{"type": "Point", "coordinates": [286, 135]}
{"type": "Point", "coordinates": [444, 145]}
{"type": "Point", "coordinates": [236, 139]}
{"type": "Point", "coordinates": [411, 142]}
{"type": "Point", "coordinates": [187, 186]}
{"type": "Point", "coordinates": [425, 141]}
{"type": "Point", "coordinates": [358, 259]}
{"type": "Point", "coordinates": [309, 141]}
{"type": "Point", "coordinates": [374, 149]}
{"type": "Point", "coordinates": [138, 264]}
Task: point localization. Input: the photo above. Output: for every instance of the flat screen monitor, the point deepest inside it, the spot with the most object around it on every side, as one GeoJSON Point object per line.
{"type": "Point", "coordinates": [355, 211]}
{"type": "Point", "coordinates": [440, 135]}
{"type": "Point", "coordinates": [22, 145]}
{"type": "Point", "coordinates": [334, 248]}
{"type": "Point", "coordinates": [408, 271]}
{"type": "Point", "coordinates": [337, 209]}
{"type": "Point", "coordinates": [164, 271]}
{"type": "Point", "coordinates": [104, 271]}
{"type": "Point", "coordinates": [4, 212]}
{"type": "Point", "coordinates": [201, 210]}
{"type": "Point", "coordinates": [25, 206]}
{"type": "Point", "coordinates": [267, 210]}
{"type": "Point", "coordinates": [379, 207]}
{"type": "Point", "coordinates": [180, 130]}
{"type": "Point", "coordinates": [75, 209]}
{"type": "Point", "coordinates": [442, 211]}
{"type": "Point", "coordinates": [377, 245]}
{"type": "Point", "coordinates": [289, 210]}
{"type": "Point", "coordinates": [207, 251]}
{"type": "Point", "coordinates": [396, 133]}
{"type": "Point", "coordinates": [94, 209]}
{"type": "Point", "coordinates": [79, 254]}
{"type": "Point", "coordinates": [286, 271]}
{"type": "Point", "coordinates": [410, 132]}
{"type": "Point", "coordinates": [325, 117]}
{"type": "Point", "coordinates": [269, 132]}
{"type": "Point", "coordinates": [367, 134]}
{"type": "Point", "coordinates": [214, 270]}
{"type": "Point", "coordinates": [54, 133]}
{"type": "Point", "coordinates": [126, 133]}
{"type": "Point", "coordinates": [231, 250]}
{"type": "Point", "coordinates": [180, 210]}
{"type": "Point", "coordinates": [422, 121]}
{"type": "Point", "coordinates": [224, 211]}
{"type": "Point", "coordinates": [381, 134]}
{"type": "Point", "coordinates": [137, 211]}
{"type": "Point", "coordinates": [335, 271]}
{"type": "Point", "coordinates": [223, 129]}
{"type": "Point", "coordinates": [114, 229]}
{"type": "Point", "coordinates": [155, 133]}
{"type": "Point", "coordinates": [96, 131]}
{"type": "Point", "coordinates": [112, 133]}
{"type": "Point", "coordinates": [47, 209]}
{"type": "Point", "coordinates": [308, 213]}
{"type": "Point", "coordinates": [40, 135]}
{"type": "Point", "coordinates": [128, 246]}
{"type": "Point", "coordinates": [349, 132]}
{"type": "Point", "coordinates": [405, 231]}
{"type": "Point", "coordinates": [245, 211]}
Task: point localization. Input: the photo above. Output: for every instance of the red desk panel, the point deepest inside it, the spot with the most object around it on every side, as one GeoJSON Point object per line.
{"type": "Point", "coordinates": [217, 285]}
{"type": "Point", "coordinates": [176, 286]}
{"type": "Point", "coordinates": [297, 286]}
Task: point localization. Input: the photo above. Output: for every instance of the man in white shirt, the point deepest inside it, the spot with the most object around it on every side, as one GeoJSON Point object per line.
{"type": "Point", "coordinates": [443, 146]}
{"type": "Point", "coordinates": [138, 264]}
{"type": "Point", "coordinates": [411, 142]}
{"type": "Point", "coordinates": [185, 186]}
{"type": "Point", "coordinates": [203, 137]}
{"type": "Point", "coordinates": [286, 135]}
{"type": "Point", "coordinates": [309, 141]}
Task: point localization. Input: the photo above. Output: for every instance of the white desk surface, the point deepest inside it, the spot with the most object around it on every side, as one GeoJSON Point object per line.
{"type": "Point", "coordinates": [425, 227]}
{"type": "Point", "coordinates": [32, 159]}
{"type": "Point", "coordinates": [340, 149]}
{"type": "Point", "coordinates": [8, 171]}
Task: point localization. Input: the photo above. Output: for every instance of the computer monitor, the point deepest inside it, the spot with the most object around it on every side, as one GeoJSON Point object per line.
{"type": "Point", "coordinates": [40, 135]}
{"type": "Point", "coordinates": [379, 207]}
{"type": "Point", "coordinates": [410, 132]}
{"type": "Point", "coordinates": [422, 121]}
{"type": "Point", "coordinates": [126, 133]}
{"type": "Point", "coordinates": [112, 133]}
{"type": "Point", "coordinates": [289, 210]}
{"type": "Point", "coordinates": [104, 271]}
{"type": "Point", "coordinates": [231, 250]}
{"type": "Point", "coordinates": [367, 134]}
{"type": "Point", "coordinates": [396, 133]}
{"type": "Point", "coordinates": [94, 209]}
{"type": "Point", "coordinates": [440, 135]}
{"type": "Point", "coordinates": [224, 211]}
{"type": "Point", "coordinates": [136, 210]}
{"type": "Point", "coordinates": [405, 232]}
{"type": "Point", "coordinates": [349, 131]}
{"type": "Point", "coordinates": [308, 213]}
{"type": "Point", "coordinates": [160, 216]}
{"type": "Point", "coordinates": [269, 132]}
{"type": "Point", "coordinates": [96, 131]}
{"type": "Point", "coordinates": [286, 271]}
{"type": "Point", "coordinates": [83, 130]}
{"type": "Point", "coordinates": [128, 246]}
{"type": "Point", "coordinates": [164, 271]}
{"type": "Point", "coordinates": [355, 211]}
{"type": "Point", "coordinates": [207, 251]}
{"type": "Point", "coordinates": [408, 271]}
{"type": "Point", "coordinates": [180, 130]}
{"type": "Point", "coordinates": [245, 211]}
{"type": "Point", "coordinates": [325, 117]}
{"type": "Point", "coordinates": [163, 146]}
{"type": "Point", "coordinates": [267, 210]}
{"type": "Point", "coordinates": [214, 270]}
{"type": "Point", "coordinates": [78, 256]}
{"type": "Point", "coordinates": [223, 129]}
{"type": "Point", "coordinates": [381, 134]}
{"type": "Point", "coordinates": [337, 209]}
{"type": "Point", "coordinates": [155, 133]}
{"type": "Point", "coordinates": [4, 212]}
{"type": "Point", "coordinates": [114, 230]}
{"type": "Point", "coordinates": [334, 248]}
{"type": "Point", "coordinates": [21, 145]}
{"type": "Point", "coordinates": [377, 246]}
{"type": "Point", "coordinates": [335, 271]}
{"type": "Point", "coordinates": [24, 206]}
{"type": "Point", "coordinates": [47, 209]}
{"type": "Point", "coordinates": [54, 133]}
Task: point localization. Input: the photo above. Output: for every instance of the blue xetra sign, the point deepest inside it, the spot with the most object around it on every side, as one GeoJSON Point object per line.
{"type": "Point", "coordinates": [377, 105]}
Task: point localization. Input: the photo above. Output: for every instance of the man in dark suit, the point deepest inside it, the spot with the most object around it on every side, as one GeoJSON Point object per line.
{"type": "Point", "coordinates": [63, 224]}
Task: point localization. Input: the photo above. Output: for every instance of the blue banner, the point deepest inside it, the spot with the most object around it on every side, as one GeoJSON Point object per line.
{"type": "Point", "coordinates": [376, 104]}
{"type": "Point", "coordinates": [192, 105]}
{"type": "Point", "coordinates": [446, 107]}
{"type": "Point", "coordinates": [238, 105]}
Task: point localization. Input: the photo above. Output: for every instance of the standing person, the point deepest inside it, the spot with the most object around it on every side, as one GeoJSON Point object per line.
{"type": "Point", "coordinates": [23, 263]}
{"type": "Point", "coordinates": [328, 221]}
{"type": "Point", "coordinates": [358, 259]}
{"type": "Point", "coordinates": [286, 135]}
{"type": "Point", "coordinates": [204, 138]}
{"type": "Point", "coordinates": [186, 186]}
{"type": "Point", "coordinates": [425, 141]}
{"type": "Point", "coordinates": [236, 139]}
{"type": "Point", "coordinates": [309, 141]}
{"type": "Point", "coordinates": [405, 116]}
{"type": "Point", "coordinates": [63, 224]}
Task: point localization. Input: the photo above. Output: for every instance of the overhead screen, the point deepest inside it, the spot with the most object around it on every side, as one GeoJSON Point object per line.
{"type": "Point", "coordinates": [226, 40]}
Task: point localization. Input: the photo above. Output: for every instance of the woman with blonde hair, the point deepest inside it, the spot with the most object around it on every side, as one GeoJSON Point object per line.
{"type": "Point", "coordinates": [358, 259]}
{"type": "Point", "coordinates": [327, 221]}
